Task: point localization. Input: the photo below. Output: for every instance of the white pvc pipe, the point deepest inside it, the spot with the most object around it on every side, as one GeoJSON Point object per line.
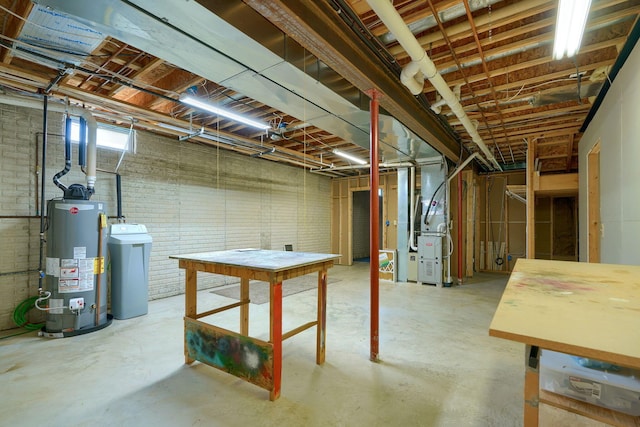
{"type": "Point", "coordinates": [422, 63]}
{"type": "Point", "coordinates": [92, 150]}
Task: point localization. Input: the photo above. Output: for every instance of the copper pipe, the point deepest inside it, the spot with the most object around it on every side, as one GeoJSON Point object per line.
{"type": "Point", "coordinates": [100, 265]}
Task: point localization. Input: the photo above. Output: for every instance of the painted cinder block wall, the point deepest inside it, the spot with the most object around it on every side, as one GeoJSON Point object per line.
{"type": "Point", "coordinates": [617, 126]}
{"type": "Point", "coordinates": [191, 197]}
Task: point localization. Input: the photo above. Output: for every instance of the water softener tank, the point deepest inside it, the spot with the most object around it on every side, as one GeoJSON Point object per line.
{"type": "Point", "coordinates": [75, 270]}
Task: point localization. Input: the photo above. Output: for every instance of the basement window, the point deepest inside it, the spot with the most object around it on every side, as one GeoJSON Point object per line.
{"type": "Point", "coordinates": [108, 136]}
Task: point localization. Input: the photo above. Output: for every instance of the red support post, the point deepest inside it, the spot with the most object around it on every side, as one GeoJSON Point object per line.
{"type": "Point", "coordinates": [374, 216]}
{"type": "Point", "coordinates": [460, 248]}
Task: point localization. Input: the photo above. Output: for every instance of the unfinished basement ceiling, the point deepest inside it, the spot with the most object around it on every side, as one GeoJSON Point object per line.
{"type": "Point", "coordinates": [303, 67]}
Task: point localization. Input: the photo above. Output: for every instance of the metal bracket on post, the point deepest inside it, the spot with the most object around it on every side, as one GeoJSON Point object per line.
{"type": "Point", "coordinates": [533, 357]}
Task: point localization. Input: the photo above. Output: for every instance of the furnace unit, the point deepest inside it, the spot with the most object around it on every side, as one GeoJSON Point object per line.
{"type": "Point", "coordinates": [430, 259]}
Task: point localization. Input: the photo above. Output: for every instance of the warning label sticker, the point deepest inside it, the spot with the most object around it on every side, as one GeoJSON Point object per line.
{"type": "Point", "coordinates": [68, 263]}
{"type": "Point", "coordinates": [68, 285]}
{"type": "Point", "coordinates": [69, 273]}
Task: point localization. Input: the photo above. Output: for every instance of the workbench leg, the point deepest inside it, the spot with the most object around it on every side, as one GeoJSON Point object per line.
{"type": "Point", "coordinates": [275, 336]}
{"type": "Point", "coordinates": [322, 316]}
{"type": "Point", "coordinates": [531, 386]}
{"type": "Point", "coordinates": [244, 308]}
{"type": "Point", "coordinates": [190, 306]}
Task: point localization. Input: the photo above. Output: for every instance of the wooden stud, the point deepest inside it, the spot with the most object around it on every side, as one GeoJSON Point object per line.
{"type": "Point", "coordinates": [593, 200]}
{"type": "Point", "coordinates": [469, 235]}
{"type": "Point", "coordinates": [551, 221]}
{"type": "Point", "coordinates": [531, 387]}
{"type": "Point", "coordinates": [275, 336]}
{"type": "Point", "coordinates": [191, 304]}
{"type": "Point", "coordinates": [570, 152]}
{"type": "Point", "coordinates": [488, 246]}
{"type": "Point", "coordinates": [556, 184]}
{"type": "Point", "coordinates": [13, 27]}
{"type": "Point", "coordinates": [244, 308]}
{"type": "Point", "coordinates": [531, 200]}
{"type": "Point", "coordinates": [322, 317]}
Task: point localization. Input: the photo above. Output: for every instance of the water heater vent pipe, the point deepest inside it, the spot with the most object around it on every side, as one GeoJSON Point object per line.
{"type": "Point", "coordinates": [67, 156]}
{"type": "Point", "coordinates": [92, 150]}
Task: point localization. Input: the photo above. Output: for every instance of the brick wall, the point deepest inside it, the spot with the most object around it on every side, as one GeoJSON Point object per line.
{"type": "Point", "coordinates": [192, 198]}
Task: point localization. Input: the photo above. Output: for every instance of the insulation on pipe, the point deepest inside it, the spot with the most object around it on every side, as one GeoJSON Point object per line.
{"type": "Point", "coordinates": [82, 146]}
{"type": "Point", "coordinates": [67, 155]}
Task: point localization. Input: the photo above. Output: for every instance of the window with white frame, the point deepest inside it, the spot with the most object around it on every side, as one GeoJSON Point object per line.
{"type": "Point", "coordinates": [107, 136]}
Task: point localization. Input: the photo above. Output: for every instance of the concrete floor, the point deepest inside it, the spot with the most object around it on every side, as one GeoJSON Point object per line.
{"type": "Point", "coordinates": [438, 367]}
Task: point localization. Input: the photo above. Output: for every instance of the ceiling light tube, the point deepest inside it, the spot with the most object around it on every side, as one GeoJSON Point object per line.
{"type": "Point", "coordinates": [570, 23]}
{"type": "Point", "coordinates": [350, 157]}
{"type": "Point", "coordinates": [202, 105]}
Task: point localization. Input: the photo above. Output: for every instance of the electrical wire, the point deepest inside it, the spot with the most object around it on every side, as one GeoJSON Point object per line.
{"type": "Point", "coordinates": [426, 215]}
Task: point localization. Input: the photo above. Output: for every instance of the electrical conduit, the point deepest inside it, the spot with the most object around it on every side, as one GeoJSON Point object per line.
{"type": "Point", "coordinates": [412, 76]}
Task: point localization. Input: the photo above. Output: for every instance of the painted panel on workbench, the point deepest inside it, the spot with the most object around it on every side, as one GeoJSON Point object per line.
{"type": "Point", "coordinates": [244, 357]}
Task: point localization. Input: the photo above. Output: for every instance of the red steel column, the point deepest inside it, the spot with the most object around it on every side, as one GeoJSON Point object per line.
{"type": "Point", "coordinates": [460, 248]}
{"type": "Point", "coordinates": [374, 216]}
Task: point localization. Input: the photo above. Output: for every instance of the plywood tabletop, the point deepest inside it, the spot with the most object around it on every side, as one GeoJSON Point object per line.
{"type": "Point", "coordinates": [262, 259]}
{"type": "Point", "coordinates": [590, 310]}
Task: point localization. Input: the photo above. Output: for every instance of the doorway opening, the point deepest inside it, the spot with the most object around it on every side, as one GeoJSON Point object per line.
{"type": "Point", "coordinates": [360, 225]}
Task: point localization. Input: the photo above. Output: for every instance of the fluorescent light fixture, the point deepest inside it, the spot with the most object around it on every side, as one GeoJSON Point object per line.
{"type": "Point", "coordinates": [202, 105]}
{"type": "Point", "coordinates": [350, 157]}
{"type": "Point", "coordinates": [570, 23]}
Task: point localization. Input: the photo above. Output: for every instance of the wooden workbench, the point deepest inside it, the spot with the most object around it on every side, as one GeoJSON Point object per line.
{"type": "Point", "coordinates": [588, 310]}
{"type": "Point", "coordinates": [251, 359]}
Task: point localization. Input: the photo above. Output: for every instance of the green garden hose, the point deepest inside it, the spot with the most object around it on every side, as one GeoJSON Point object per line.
{"type": "Point", "coordinates": [20, 314]}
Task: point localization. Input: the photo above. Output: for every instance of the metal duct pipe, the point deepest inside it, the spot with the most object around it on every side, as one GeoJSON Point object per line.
{"type": "Point", "coordinates": [367, 166]}
{"type": "Point", "coordinates": [386, 165]}
{"type": "Point", "coordinates": [449, 14]}
{"type": "Point", "coordinates": [422, 66]}
{"type": "Point", "coordinates": [495, 16]}
{"type": "Point", "coordinates": [412, 210]}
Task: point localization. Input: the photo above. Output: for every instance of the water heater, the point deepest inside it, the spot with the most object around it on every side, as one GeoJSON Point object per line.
{"type": "Point", "coordinates": [75, 271]}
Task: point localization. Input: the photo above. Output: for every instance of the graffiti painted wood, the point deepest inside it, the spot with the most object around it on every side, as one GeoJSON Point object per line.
{"type": "Point", "coordinates": [245, 357]}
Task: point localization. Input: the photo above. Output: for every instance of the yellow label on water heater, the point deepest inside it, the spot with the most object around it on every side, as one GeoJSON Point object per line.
{"type": "Point", "coordinates": [98, 265]}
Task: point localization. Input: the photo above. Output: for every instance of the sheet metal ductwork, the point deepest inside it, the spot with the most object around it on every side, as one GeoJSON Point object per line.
{"type": "Point", "coordinates": [193, 38]}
